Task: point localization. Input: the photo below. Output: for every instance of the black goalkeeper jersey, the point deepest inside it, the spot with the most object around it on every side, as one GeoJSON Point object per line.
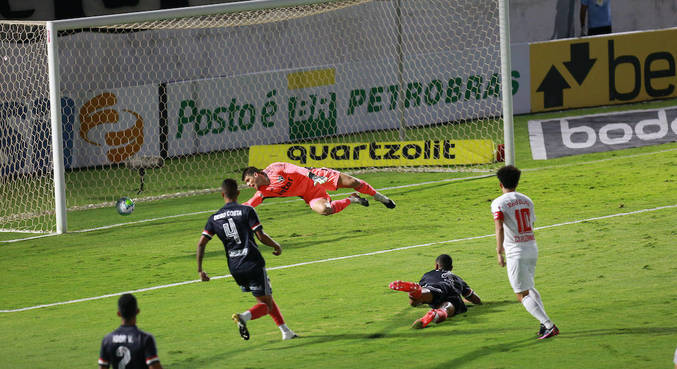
{"type": "Point", "coordinates": [235, 225]}
{"type": "Point", "coordinates": [128, 347]}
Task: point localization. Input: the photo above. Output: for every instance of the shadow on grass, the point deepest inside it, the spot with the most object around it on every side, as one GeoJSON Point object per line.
{"type": "Point", "coordinates": [399, 320]}
{"type": "Point", "coordinates": [523, 343]}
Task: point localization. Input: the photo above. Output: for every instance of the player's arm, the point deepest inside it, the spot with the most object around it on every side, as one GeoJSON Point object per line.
{"type": "Point", "coordinates": [472, 297]}
{"type": "Point", "coordinates": [200, 255]}
{"type": "Point", "coordinates": [255, 201]}
{"type": "Point", "coordinates": [500, 236]}
{"type": "Point", "coordinates": [104, 356]}
{"type": "Point", "coordinates": [268, 241]}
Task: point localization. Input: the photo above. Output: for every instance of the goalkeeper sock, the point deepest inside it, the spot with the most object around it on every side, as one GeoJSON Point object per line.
{"type": "Point", "coordinates": [339, 205]}
{"type": "Point", "coordinates": [366, 188]}
{"type": "Point", "coordinates": [258, 311]}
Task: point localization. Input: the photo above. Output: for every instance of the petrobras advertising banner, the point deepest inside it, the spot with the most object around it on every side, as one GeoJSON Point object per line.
{"type": "Point", "coordinates": [282, 106]}
{"type": "Point", "coordinates": [114, 125]}
{"type": "Point", "coordinates": [375, 154]}
{"type": "Point", "coordinates": [601, 132]}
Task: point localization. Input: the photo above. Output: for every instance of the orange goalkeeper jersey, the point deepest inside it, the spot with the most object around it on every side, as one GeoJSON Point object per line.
{"type": "Point", "coordinates": [286, 180]}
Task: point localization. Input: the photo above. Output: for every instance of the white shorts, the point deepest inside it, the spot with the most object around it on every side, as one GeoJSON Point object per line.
{"type": "Point", "coordinates": [521, 273]}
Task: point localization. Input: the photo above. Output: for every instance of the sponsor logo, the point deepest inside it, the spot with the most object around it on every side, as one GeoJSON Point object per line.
{"type": "Point", "coordinates": [238, 253]}
{"type": "Point", "coordinates": [602, 132]}
{"type": "Point", "coordinates": [376, 154]}
{"type": "Point", "coordinates": [603, 70]}
{"type": "Point", "coordinates": [286, 187]}
{"type": "Point", "coordinates": [97, 112]}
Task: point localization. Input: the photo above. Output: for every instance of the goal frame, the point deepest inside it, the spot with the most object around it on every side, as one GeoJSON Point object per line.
{"type": "Point", "coordinates": [53, 28]}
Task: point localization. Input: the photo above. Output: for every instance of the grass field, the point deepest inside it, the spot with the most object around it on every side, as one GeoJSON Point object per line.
{"type": "Point", "coordinates": [606, 273]}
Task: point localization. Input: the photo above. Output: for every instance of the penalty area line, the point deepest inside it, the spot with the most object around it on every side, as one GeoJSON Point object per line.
{"type": "Point", "coordinates": [333, 259]}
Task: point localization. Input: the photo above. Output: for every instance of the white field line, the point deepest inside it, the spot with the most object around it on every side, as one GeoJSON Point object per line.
{"type": "Point", "coordinates": [341, 194]}
{"type": "Point", "coordinates": [332, 259]}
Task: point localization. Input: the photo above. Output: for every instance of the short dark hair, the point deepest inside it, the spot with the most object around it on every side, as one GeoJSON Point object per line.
{"type": "Point", "coordinates": [445, 262]}
{"type": "Point", "coordinates": [249, 171]}
{"type": "Point", "coordinates": [127, 306]}
{"type": "Point", "coordinates": [229, 188]}
{"type": "Point", "coordinates": [509, 176]}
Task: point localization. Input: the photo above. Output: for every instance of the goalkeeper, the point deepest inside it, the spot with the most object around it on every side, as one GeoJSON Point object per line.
{"type": "Point", "coordinates": [312, 184]}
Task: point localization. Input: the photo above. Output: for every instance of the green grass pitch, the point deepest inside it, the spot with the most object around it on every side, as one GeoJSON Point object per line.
{"type": "Point", "coordinates": [608, 283]}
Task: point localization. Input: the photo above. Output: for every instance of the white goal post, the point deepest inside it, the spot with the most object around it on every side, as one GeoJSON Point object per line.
{"type": "Point", "coordinates": [167, 103]}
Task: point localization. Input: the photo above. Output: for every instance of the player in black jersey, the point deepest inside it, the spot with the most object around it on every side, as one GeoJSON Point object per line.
{"type": "Point", "coordinates": [441, 289]}
{"type": "Point", "coordinates": [128, 347]}
{"type": "Point", "coordinates": [236, 225]}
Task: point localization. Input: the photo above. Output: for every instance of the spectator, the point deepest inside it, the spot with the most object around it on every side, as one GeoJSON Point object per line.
{"type": "Point", "coordinates": [599, 17]}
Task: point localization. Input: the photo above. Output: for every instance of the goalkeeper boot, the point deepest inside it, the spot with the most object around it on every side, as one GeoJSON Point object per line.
{"type": "Point", "coordinates": [355, 198]}
{"type": "Point", "coordinates": [414, 289]}
{"type": "Point", "coordinates": [390, 204]}
{"type": "Point", "coordinates": [242, 326]}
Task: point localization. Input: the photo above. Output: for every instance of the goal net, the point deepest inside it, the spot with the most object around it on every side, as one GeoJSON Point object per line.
{"type": "Point", "coordinates": [171, 104]}
{"type": "Point", "coordinates": [26, 182]}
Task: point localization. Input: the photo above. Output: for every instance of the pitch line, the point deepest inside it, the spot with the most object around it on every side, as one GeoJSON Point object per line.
{"type": "Point", "coordinates": [333, 259]}
{"type": "Point", "coordinates": [342, 194]}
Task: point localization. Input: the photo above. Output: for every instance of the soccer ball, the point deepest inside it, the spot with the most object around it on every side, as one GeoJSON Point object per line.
{"type": "Point", "coordinates": [125, 206]}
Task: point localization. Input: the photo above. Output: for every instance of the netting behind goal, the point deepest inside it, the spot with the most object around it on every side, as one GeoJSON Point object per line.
{"type": "Point", "coordinates": [173, 106]}
{"type": "Point", "coordinates": [26, 182]}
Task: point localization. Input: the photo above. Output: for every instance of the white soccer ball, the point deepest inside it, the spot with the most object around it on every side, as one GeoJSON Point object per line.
{"type": "Point", "coordinates": [125, 206]}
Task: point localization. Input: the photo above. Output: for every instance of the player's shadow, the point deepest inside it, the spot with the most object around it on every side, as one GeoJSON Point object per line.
{"type": "Point", "coordinates": [519, 345]}
{"type": "Point", "coordinates": [476, 311]}
{"type": "Point", "coordinates": [402, 318]}
{"type": "Point", "coordinates": [318, 241]}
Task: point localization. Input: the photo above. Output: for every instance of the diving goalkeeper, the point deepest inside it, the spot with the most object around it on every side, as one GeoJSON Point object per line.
{"type": "Point", "coordinates": [311, 184]}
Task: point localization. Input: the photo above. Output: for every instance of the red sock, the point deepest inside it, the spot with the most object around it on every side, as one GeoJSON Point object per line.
{"type": "Point", "coordinates": [441, 315]}
{"type": "Point", "coordinates": [276, 315]}
{"type": "Point", "coordinates": [428, 317]}
{"type": "Point", "coordinates": [258, 311]}
{"type": "Point", "coordinates": [339, 205]}
{"type": "Point", "coordinates": [365, 188]}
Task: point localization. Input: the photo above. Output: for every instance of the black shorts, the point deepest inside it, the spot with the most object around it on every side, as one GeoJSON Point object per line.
{"type": "Point", "coordinates": [255, 281]}
{"type": "Point", "coordinates": [599, 30]}
{"type": "Point", "coordinates": [440, 296]}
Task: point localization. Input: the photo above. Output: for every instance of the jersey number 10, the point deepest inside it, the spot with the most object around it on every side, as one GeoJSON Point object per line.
{"type": "Point", "coordinates": [523, 217]}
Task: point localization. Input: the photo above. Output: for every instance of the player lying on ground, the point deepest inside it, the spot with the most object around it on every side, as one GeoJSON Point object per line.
{"type": "Point", "coordinates": [236, 225]}
{"type": "Point", "coordinates": [441, 289]}
{"type": "Point", "coordinates": [287, 180]}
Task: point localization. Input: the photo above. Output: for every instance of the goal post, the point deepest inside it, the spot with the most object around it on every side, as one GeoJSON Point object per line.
{"type": "Point", "coordinates": [209, 90]}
